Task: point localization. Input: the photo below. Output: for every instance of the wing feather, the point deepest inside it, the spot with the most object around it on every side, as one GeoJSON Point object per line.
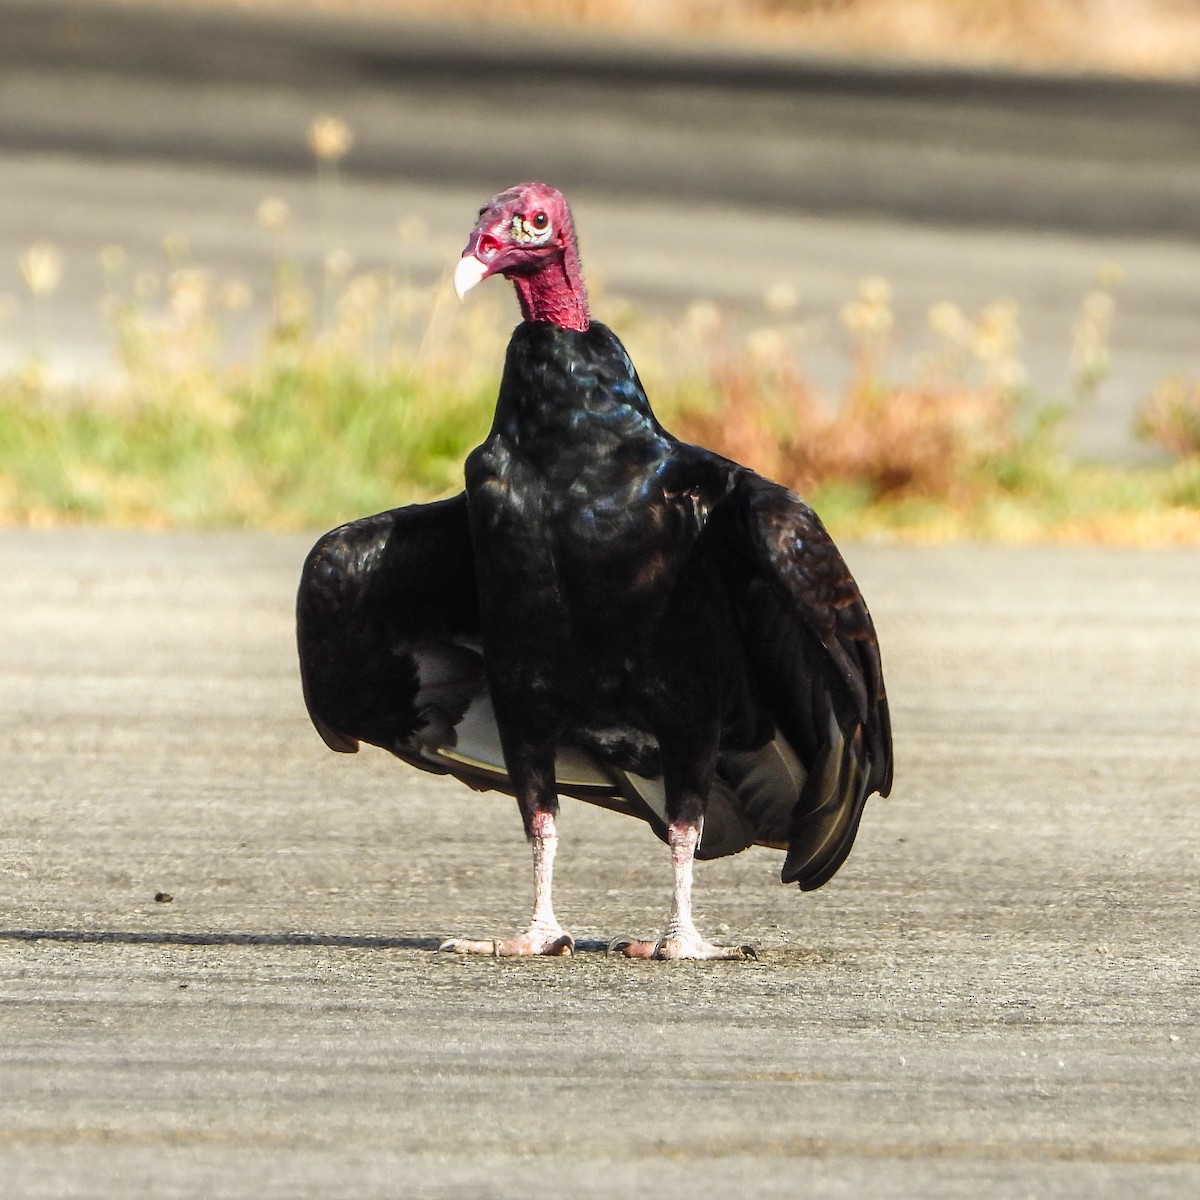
{"type": "Point", "coordinates": [383, 606]}
{"type": "Point", "coordinates": [813, 654]}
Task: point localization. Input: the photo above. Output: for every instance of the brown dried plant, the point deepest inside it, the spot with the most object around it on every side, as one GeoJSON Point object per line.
{"type": "Point", "coordinates": [940, 435]}
{"type": "Point", "coordinates": [1171, 417]}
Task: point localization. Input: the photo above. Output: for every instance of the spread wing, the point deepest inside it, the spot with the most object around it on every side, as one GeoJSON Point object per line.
{"type": "Point", "coordinates": [385, 618]}
{"type": "Point", "coordinates": [388, 634]}
{"type": "Point", "coordinates": [813, 657]}
{"type": "Point", "coordinates": [387, 626]}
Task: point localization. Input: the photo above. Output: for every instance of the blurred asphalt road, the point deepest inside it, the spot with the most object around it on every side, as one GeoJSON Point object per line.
{"type": "Point", "coordinates": [695, 173]}
{"type": "Point", "coordinates": [999, 994]}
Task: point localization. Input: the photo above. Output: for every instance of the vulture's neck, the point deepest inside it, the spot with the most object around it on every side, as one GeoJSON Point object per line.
{"type": "Point", "coordinates": [555, 293]}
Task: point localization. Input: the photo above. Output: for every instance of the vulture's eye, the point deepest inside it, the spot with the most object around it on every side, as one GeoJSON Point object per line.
{"type": "Point", "coordinates": [534, 230]}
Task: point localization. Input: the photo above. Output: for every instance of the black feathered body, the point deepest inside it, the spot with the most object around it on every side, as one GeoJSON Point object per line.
{"type": "Point", "coordinates": [683, 624]}
{"type": "Point", "coordinates": [584, 516]}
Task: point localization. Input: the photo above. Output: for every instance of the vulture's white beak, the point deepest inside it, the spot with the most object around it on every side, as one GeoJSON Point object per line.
{"type": "Point", "coordinates": [467, 274]}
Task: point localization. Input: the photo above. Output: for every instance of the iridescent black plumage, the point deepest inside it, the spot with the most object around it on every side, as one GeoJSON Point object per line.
{"type": "Point", "coordinates": [605, 613]}
{"type": "Point", "coordinates": [627, 600]}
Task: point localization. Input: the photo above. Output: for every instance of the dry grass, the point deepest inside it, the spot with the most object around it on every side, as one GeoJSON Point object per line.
{"type": "Point", "coordinates": [952, 428]}
{"type": "Point", "coordinates": [958, 448]}
{"type": "Point", "coordinates": [1171, 417]}
{"type": "Point", "coordinates": [1137, 37]}
{"type": "Point", "coordinates": [906, 441]}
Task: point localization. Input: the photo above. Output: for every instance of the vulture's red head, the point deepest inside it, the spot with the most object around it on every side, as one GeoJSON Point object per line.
{"type": "Point", "coordinates": [526, 234]}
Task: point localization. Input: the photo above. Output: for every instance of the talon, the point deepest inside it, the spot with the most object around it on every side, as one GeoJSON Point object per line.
{"type": "Point", "coordinates": [466, 946]}
{"type": "Point", "coordinates": [530, 944]}
{"type": "Point", "coordinates": [637, 948]}
{"type": "Point", "coordinates": [675, 949]}
{"type": "Point", "coordinates": [527, 946]}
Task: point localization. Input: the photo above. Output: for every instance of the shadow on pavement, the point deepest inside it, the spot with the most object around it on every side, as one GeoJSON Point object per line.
{"type": "Point", "coordinates": [168, 938]}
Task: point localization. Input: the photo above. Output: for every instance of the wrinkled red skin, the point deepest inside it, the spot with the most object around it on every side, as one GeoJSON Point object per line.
{"type": "Point", "coordinates": [548, 277]}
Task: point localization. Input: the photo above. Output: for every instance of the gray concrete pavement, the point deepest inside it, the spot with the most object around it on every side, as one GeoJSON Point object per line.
{"type": "Point", "coordinates": [695, 174]}
{"type": "Point", "coordinates": [998, 995]}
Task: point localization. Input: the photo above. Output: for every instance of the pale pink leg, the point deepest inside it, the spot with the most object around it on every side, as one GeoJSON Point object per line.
{"type": "Point", "coordinates": [544, 934]}
{"type": "Point", "coordinates": [681, 939]}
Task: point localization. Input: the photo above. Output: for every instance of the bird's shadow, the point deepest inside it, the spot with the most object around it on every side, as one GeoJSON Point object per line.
{"type": "Point", "coordinates": [160, 937]}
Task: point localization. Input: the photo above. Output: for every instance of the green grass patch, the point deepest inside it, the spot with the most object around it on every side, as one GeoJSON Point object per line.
{"type": "Point", "coordinates": [279, 447]}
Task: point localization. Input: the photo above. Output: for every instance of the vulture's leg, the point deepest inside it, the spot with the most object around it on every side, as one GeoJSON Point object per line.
{"type": "Point", "coordinates": [544, 935]}
{"type": "Point", "coordinates": [681, 939]}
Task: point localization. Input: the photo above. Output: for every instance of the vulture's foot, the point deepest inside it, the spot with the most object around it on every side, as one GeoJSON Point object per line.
{"type": "Point", "coordinates": [678, 946]}
{"type": "Point", "coordinates": [551, 942]}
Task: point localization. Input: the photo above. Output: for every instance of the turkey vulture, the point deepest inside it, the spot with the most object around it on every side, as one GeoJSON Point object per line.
{"type": "Point", "coordinates": [606, 613]}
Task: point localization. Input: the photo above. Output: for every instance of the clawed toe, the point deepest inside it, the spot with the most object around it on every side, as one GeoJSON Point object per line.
{"type": "Point", "coordinates": [555, 944]}
{"type": "Point", "coordinates": [676, 948]}
{"type": "Point", "coordinates": [526, 946]}
{"type": "Point", "coordinates": [466, 946]}
{"type": "Point", "coordinates": [632, 947]}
